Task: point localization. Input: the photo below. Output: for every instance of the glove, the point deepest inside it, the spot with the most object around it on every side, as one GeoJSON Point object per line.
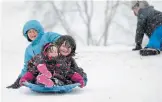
{"type": "Point", "coordinates": [138, 47]}
{"type": "Point", "coordinates": [78, 78]}
{"type": "Point", "coordinates": [27, 77]}
{"type": "Point", "coordinates": [15, 85]}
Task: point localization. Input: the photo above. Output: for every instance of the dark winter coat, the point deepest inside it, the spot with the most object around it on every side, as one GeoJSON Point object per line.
{"type": "Point", "coordinates": [148, 20]}
{"type": "Point", "coordinates": [61, 68]}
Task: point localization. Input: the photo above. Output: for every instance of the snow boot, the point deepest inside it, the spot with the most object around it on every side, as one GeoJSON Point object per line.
{"type": "Point", "coordinates": [42, 79]}
{"type": "Point", "coordinates": [43, 69]}
{"type": "Point", "coordinates": [149, 51]}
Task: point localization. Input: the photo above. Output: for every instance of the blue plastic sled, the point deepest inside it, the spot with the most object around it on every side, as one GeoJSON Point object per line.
{"type": "Point", "coordinates": [54, 89]}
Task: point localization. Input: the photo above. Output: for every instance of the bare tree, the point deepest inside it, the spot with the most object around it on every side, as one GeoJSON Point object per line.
{"type": "Point", "coordinates": [130, 19]}
{"type": "Point", "coordinates": [63, 21]}
{"type": "Point", "coordinates": [86, 13]}
{"type": "Point", "coordinates": [110, 11]}
{"type": "Point", "coordinates": [51, 16]}
{"type": "Point", "coordinates": [59, 15]}
{"type": "Point", "coordinates": [40, 11]}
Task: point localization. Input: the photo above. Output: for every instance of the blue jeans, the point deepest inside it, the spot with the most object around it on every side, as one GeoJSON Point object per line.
{"type": "Point", "coordinates": [155, 40]}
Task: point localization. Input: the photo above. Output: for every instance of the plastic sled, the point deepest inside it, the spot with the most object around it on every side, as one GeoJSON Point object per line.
{"type": "Point", "coordinates": [54, 89]}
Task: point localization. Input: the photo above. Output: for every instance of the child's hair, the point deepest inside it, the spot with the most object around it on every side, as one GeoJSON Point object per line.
{"type": "Point", "coordinates": [29, 39]}
{"type": "Point", "coordinates": [69, 42]}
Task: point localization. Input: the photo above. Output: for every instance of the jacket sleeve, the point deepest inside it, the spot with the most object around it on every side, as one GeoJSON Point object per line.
{"type": "Point", "coordinates": [32, 64]}
{"type": "Point", "coordinates": [140, 30]}
{"type": "Point", "coordinates": [52, 36]}
{"type": "Point", "coordinates": [28, 76]}
{"type": "Point", "coordinates": [27, 57]}
{"type": "Point", "coordinates": [77, 69]}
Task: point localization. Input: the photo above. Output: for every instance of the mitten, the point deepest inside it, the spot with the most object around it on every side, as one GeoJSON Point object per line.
{"type": "Point", "coordinates": [15, 85]}
{"type": "Point", "coordinates": [78, 78]}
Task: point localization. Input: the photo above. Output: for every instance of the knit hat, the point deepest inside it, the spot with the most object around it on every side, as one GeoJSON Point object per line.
{"type": "Point", "coordinates": [48, 47]}
{"type": "Point", "coordinates": [140, 4]}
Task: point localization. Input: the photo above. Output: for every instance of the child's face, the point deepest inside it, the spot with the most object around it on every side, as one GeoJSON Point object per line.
{"type": "Point", "coordinates": [53, 53]}
{"type": "Point", "coordinates": [32, 34]}
{"type": "Point", "coordinates": [64, 50]}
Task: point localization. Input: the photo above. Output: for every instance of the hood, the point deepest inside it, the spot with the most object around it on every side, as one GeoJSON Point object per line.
{"type": "Point", "coordinates": [145, 10]}
{"type": "Point", "coordinates": [33, 24]}
{"type": "Point", "coordinates": [150, 7]}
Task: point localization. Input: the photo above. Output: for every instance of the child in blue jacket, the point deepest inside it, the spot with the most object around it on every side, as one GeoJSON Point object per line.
{"type": "Point", "coordinates": [34, 33]}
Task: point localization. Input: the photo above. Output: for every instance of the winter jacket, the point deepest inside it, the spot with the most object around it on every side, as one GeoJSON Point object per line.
{"type": "Point", "coordinates": [148, 20]}
{"type": "Point", "coordinates": [61, 68]}
{"type": "Point", "coordinates": [36, 45]}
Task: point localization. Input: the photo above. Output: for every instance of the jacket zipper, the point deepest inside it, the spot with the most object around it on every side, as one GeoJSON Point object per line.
{"type": "Point", "coordinates": [33, 52]}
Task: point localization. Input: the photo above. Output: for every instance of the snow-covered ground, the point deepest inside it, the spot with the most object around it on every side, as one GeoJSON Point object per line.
{"type": "Point", "coordinates": [115, 74]}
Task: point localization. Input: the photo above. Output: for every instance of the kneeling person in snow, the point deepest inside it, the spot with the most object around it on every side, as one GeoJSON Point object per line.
{"type": "Point", "coordinates": [149, 23]}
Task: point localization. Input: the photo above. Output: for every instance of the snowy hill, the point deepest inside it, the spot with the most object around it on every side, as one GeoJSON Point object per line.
{"type": "Point", "coordinates": [115, 74]}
